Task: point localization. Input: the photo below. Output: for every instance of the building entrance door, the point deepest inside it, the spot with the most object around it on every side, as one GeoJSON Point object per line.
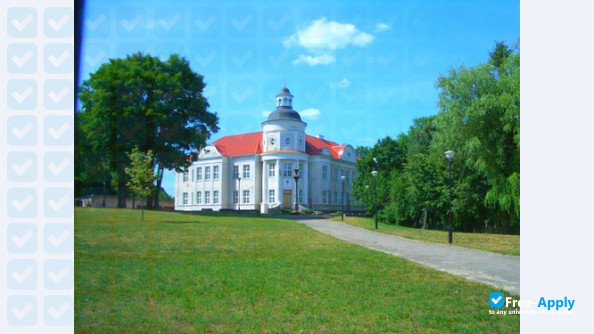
{"type": "Point", "coordinates": [287, 195]}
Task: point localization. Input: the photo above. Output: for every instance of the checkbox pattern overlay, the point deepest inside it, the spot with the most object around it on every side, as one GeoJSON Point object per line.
{"type": "Point", "coordinates": [36, 167]}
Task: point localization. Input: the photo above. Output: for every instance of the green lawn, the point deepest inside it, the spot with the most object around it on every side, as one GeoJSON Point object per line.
{"type": "Point", "coordinates": [192, 273]}
{"type": "Point", "coordinates": [498, 243]}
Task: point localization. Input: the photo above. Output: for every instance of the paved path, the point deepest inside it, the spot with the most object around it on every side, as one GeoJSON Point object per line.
{"type": "Point", "coordinates": [500, 271]}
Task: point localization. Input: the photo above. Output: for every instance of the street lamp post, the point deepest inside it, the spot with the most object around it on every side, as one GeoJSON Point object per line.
{"type": "Point", "coordinates": [374, 174]}
{"type": "Point", "coordinates": [239, 193]}
{"type": "Point", "coordinates": [342, 178]}
{"type": "Point", "coordinates": [296, 177]}
{"type": "Point", "coordinates": [449, 155]}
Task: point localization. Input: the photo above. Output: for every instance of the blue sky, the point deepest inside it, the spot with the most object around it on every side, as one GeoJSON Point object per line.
{"type": "Point", "coordinates": [359, 71]}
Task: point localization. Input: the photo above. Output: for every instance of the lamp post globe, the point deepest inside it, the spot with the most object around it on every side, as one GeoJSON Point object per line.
{"type": "Point", "coordinates": [450, 155]}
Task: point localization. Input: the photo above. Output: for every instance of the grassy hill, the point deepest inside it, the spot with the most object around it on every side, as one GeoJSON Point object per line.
{"type": "Point", "coordinates": [223, 273]}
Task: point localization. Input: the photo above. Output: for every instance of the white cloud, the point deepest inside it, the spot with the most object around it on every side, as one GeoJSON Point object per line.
{"type": "Point", "coordinates": [381, 27]}
{"type": "Point", "coordinates": [344, 83]}
{"type": "Point", "coordinates": [322, 59]}
{"type": "Point", "coordinates": [310, 113]}
{"type": "Point", "coordinates": [322, 34]}
{"type": "Point", "coordinates": [322, 37]}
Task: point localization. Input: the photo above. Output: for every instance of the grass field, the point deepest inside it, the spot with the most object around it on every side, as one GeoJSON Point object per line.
{"type": "Point", "coordinates": [498, 243]}
{"type": "Point", "coordinates": [190, 273]}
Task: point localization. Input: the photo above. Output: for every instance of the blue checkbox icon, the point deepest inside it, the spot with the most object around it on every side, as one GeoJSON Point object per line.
{"type": "Point", "coordinates": [58, 166]}
{"type": "Point", "coordinates": [21, 310]}
{"type": "Point", "coordinates": [21, 202]}
{"type": "Point", "coordinates": [21, 58]}
{"type": "Point", "coordinates": [22, 94]}
{"type": "Point", "coordinates": [58, 274]}
{"type": "Point", "coordinates": [58, 238]}
{"type": "Point", "coordinates": [169, 22]}
{"type": "Point", "coordinates": [21, 274]}
{"type": "Point", "coordinates": [97, 23]}
{"type": "Point", "coordinates": [22, 22]}
{"type": "Point", "coordinates": [58, 58]}
{"type": "Point", "coordinates": [58, 22]}
{"type": "Point", "coordinates": [21, 130]}
{"type": "Point", "coordinates": [21, 238]}
{"type": "Point", "coordinates": [21, 166]}
{"type": "Point", "coordinates": [58, 94]}
{"type": "Point", "coordinates": [496, 299]}
{"type": "Point", "coordinates": [58, 202]}
{"type": "Point", "coordinates": [58, 130]}
{"type": "Point", "coordinates": [59, 310]}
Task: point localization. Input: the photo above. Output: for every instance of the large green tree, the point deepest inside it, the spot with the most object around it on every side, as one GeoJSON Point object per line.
{"type": "Point", "coordinates": [141, 101]}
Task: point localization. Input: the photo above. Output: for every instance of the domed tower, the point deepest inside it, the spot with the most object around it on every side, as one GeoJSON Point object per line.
{"type": "Point", "coordinates": [284, 129]}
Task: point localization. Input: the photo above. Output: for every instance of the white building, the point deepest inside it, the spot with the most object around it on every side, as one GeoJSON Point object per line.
{"type": "Point", "coordinates": [254, 171]}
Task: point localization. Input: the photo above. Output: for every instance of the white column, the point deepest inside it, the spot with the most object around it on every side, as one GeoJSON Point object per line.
{"type": "Point", "coordinates": [279, 192]}
{"type": "Point", "coordinates": [305, 182]}
{"type": "Point", "coordinates": [264, 181]}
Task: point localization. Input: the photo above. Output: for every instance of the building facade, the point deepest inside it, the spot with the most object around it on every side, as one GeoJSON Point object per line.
{"type": "Point", "coordinates": [255, 171]}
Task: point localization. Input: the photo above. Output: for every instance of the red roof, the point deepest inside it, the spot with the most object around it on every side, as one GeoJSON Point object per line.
{"type": "Point", "coordinates": [251, 143]}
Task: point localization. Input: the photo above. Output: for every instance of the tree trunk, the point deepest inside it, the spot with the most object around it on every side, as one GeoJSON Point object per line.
{"type": "Point", "coordinates": [160, 171]}
{"type": "Point", "coordinates": [425, 219]}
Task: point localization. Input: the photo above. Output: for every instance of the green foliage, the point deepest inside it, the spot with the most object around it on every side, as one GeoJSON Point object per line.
{"type": "Point", "coordinates": [140, 172]}
{"type": "Point", "coordinates": [139, 101]}
{"type": "Point", "coordinates": [479, 119]}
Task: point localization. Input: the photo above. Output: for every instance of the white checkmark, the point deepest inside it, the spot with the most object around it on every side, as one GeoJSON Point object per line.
{"type": "Point", "coordinates": [60, 59]}
{"type": "Point", "coordinates": [203, 25]}
{"type": "Point", "coordinates": [59, 240]}
{"type": "Point", "coordinates": [495, 301]}
{"type": "Point", "coordinates": [58, 133]}
{"type": "Point", "coordinates": [20, 25]}
{"type": "Point", "coordinates": [20, 97]}
{"type": "Point", "coordinates": [20, 241]}
{"type": "Point", "coordinates": [59, 168]}
{"type": "Point", "coordinates": [59, 204]}
{"type": "Point", "coordinates": [22, 312]}
{"type": "Point", "coordinates": [58, 97]}
{"type": "Point", "coordinates": [167, 25]}
{"type": "Point", "coordinates": [22, 132]}
{"type": "Point", "coordinates": [58, 313]}
{"type": "Point", "coordinates": [22, 276]}
{"type": "Point", "coordinates": [21, 61]}
{"type": "Point", "coordinates": [59, 276]}
{"type": "Point", "coordinates": [61, 22]}
{"type": "Point", "coordinates": [20, 206]}
{"type": "Point", "coordinates": [129, 25]}
{"type": "Point", "coordinates": [22, 168]}
{"type": "Point", "coordinates": [95, 24]}
{"type": "Point", "coordinates": [93, 61]}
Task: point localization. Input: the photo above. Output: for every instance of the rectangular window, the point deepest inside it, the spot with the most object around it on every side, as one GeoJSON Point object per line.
{"type": "Point", "coordinates": [215, 197]}
{"type": "Point", "coordinates": [300, 196]}
{"type": "Point", "coordinates": [199, 197]}
{"type": "Point", "coordinates": [235, 196]}
{"type": "Point", "coordinates": [185, 198]}
{"type": "Point", "coordinates": [271, 197]}
{"type": "Point", "coordinates": [246, 171]}
{"type": "Point", "coordinates": [207, 197]}
{"type": "Point", "coordinates": [287, 166]}
{"type": "Point", "coordinates": [199, 174]}
{"type": "Point", "coordinates": [186, 176]}
{"type": "Point", "coordinates": [329, 197]}
{"type": "Point", "coordinates": [325, 197]}
{"type": "Point", "coordinates": [246, 196]}
{"type": "Point", "coordinates": [301, 170]}
{"type": "Point", "coordinates": [235, 172]}
{"type": "Point", "coordinates": [271, 169]}
{"type": "Point", "coordinates": [207, 173]}
{"type": "Point", "coordinates": [324, 173]}
{"type": "Point", "coordinates": [215, 172]}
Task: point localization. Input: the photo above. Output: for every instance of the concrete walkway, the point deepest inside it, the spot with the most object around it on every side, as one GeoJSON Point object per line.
{"type": "Point", "coordinates": [499, 271]}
